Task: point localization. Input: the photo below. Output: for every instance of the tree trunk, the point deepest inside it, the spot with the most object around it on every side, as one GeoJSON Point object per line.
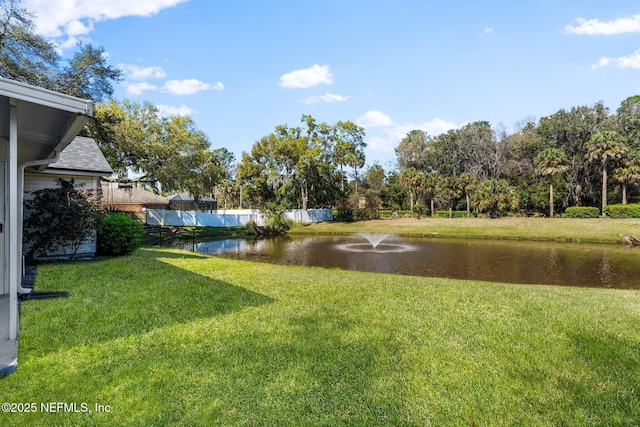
{"type": "Point", "coordinates": [624, 193]}
{"type": "Point", "coordinates": [433, 206]}
{"type": "Point", "coordinates": [304, 194]}
{"type": "Point", "coordinates": [355, 174]}
{"type": "Point", "coordinates": [468, 204]}
{"type": "Point", "coordinates": [604, 187]}
{"type": "Point", "coordinates": [551, 200]}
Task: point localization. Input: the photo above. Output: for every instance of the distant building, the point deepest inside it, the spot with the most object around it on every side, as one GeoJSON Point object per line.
{"type": "Point", "coordinates": [186, 202]}
{"type": "Point", "coordinates": [132, 200]}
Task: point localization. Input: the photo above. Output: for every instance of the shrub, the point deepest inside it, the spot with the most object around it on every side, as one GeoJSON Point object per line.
{"type": "Point", "coordinates": [58, 220]}
{"type": "Point", "coordinates": [582, 212]}
{"type": "Point", "coordinates": [394, 213]}
{"type": "Point", "coordinates": [362, 214]}
{"type": "Point", "coordinates": [277, 223]}
{"type": "Point", "coordinates": [623, 211]}
{"type": "Point", "coordinates": [118, 234]}
{"type": "Point", "coordinates": [344, 214]}
{"type": "Point", "coordinates": [456, 214]}
{"type": "Point", "coordinates": [420, 211]}
{"type": "Point", "coordinates": [252, 229]}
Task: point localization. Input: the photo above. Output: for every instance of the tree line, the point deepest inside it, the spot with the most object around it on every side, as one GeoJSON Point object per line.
{"type": "Point", "coordinates": [584, 156]}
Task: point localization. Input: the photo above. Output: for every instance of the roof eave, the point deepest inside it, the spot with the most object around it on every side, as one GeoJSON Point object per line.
{"type": "Point", "coordinates": [37, 95]}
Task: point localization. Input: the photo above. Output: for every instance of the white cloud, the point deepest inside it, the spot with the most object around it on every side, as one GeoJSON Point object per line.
{"type": "Point", "coordinates": [436, 126]}
{"type": "Point", "coordinates": [139, 88]}
{"type": "Point", "coordinates": [307, 77]}
{"type": "Point", "coordinates": [389, 135]}
{"type": "Point", "coordinates": [169, 110]}
{"type": "Point", "coordinates": [325, 99]}
{"type": "Point", "coordinates": [631, 61]}
{"type": "Point", "coordinates": [65, 18]}
{"type": "Point", "coordinates": [218, 86]}
{"type": "Point", "coordinates": [189, 86]}
{"type": "Point", "coordinates": [602, 63]}
{"type": "Point", "coordinates": [136, 72]}
{"type": "Point", "coordinates": [488, 30]}
{"type": "Point", "coordinates": [374, 118]}
{"type": "Point", "coordinates": [381, 143]}
{"type": "Point", "coordinates": [597, 27]}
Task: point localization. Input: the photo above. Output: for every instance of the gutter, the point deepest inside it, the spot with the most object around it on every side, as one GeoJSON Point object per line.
{"type": "Point", "coordinates": [21, 168]}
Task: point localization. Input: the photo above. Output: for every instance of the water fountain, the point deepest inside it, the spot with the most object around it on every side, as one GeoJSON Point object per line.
{"type": "Point", "coordinates": [374, 238]}
{"type": "Point", "coordinates": [377, 243]}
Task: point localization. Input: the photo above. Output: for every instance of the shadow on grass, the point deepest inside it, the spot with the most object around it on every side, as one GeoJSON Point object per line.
{"type": "Point", "coordinates": [319, 368]}
{"type": "Point", "coordinates": [121, 297]}
{"type": "Point", "coordinates": [609, 386]}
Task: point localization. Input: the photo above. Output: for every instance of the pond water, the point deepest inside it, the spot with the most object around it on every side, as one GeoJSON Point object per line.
{"type": "Point", "coordinates": [570, 264]}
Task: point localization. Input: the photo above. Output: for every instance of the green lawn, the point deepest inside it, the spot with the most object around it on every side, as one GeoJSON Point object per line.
{"type": "Point", "coordinates": [172, 338]}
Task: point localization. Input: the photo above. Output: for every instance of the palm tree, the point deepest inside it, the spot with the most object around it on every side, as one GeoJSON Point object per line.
{"type": "Point", "coordinates": [629, 173]}
{"type": "Point", "coordinates": [468, 183]}
{"type": "Point", "coordinates": [551, 162]}
{"type": "Point", "coordinates": [449, 190]}
{"type": "Point", "coordinates": [412, 179]}
{"type": "Point", "coordinates": [493, 196]}
{"type": "Point", "coordinates": [603, 147]}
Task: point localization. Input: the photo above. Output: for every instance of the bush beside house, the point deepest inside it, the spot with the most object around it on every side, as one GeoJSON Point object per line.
{"type": "Point", "coordinates": [118, 234]}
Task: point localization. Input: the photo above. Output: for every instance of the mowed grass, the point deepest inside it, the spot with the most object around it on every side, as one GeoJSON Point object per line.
{"type": "Point", "coordinates": [596, 230]}
{"type": "Point", "coordinates": [169, 338]}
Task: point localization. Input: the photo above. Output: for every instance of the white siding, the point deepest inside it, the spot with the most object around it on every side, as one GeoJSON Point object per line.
{"type": "Point", "coordinates": [39, 181]}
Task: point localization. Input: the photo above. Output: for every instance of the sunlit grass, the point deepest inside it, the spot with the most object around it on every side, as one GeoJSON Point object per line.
{"type": "Point", "coordinates": [173, 338]}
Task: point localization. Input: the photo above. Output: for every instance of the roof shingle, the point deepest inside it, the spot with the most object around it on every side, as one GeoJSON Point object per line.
{"type": "Point", "coordinates": [83, 154]}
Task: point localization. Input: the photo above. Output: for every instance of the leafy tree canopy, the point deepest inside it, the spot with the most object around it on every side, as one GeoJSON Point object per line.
{"type": "Point", "coordinates": [30, 58]}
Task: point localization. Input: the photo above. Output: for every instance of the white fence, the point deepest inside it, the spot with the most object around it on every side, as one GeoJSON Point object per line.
{"type": "Point", "coordinates": [230, 218]}
{"type": "Point", "coordinates": [309, 215]}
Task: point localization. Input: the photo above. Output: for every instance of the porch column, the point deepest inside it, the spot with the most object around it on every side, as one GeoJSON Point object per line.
{"type": "Point", "coordinates": [11, 227]}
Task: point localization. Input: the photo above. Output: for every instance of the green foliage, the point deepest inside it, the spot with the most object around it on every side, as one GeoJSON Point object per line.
{"type": "Point", "coordinates": [362, 214]}
{"type": "Point", "coordinates": [30, 58]}
{"type": "Point", "coordinates": [277, 223]}
{"type": "Point", "coordinates": [118, 234]}
{"type": "Point", "coordinates": [252, 229]}
{"type": "Point", "coordinates": [582, 212]}
{"type": "Point", "coordinates": [394, 213]}
{"type": "Point", "coordinates": [456, 214]}
{"type": "Point", "coordinates": [171, 152]}
{"type": "Point", "coordinates": [420, 211]}
{"type": "Point", "coordinates": [345, 214]}
{"type": "Point", "coordinates": [495, 196]}
{"type": "Point", "coordinates": [302, 167]}
{"type": "Point", "coordinates": [623, 211]}
{"type": "Point", "coordinates": [58, 220]}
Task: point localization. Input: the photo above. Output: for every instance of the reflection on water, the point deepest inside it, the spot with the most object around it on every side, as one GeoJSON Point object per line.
{"type": "Point", "coordinates": [499, 261]}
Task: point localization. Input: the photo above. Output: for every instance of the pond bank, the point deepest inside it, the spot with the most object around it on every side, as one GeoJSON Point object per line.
{"type": "Point", "coordinates": [594, 230]}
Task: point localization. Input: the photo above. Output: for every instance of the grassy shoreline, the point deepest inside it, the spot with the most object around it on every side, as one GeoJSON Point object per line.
{"type": "Point", "coordinates": [597, 230]}
{"type": "Point", "coordinates": [167, 337]}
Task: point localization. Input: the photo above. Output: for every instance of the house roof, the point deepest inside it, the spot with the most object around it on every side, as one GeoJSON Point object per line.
{"type": "Point", "coordinates": [186, 197]}
{"type": "Point", "coordinates": [181, 196]}
{"type": "Point", "coordinates": [130, 195]}
{"type": "Point", "coordinates": [82, 155]}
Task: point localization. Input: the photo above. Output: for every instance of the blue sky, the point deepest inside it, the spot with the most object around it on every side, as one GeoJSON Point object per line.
{"type": "Point", "coordinates": [241, 68]}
